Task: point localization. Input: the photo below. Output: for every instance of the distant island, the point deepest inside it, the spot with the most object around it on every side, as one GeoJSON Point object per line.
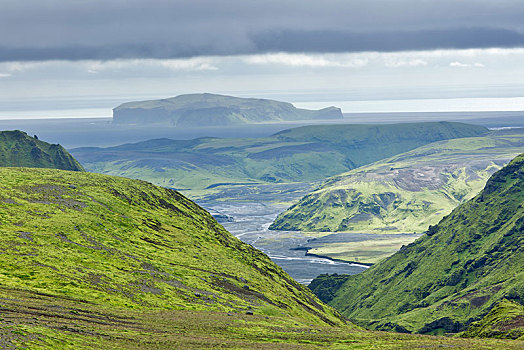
{"type": "Point", "coordinates": [195, 110]}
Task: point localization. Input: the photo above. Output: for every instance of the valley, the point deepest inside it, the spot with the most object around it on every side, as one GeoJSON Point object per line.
{"type": "Point", "coordinates": [302, 154]}
{"type": "Point", "coordinates": [455, 274]}
{"type": "Point", "coordinates": [119, 285]}
{"type": "Point", "coordinates": [108, 276]}
{"type": "Point", "coordinates": [273, 175]}
{"type": "Point", "coordinates": [111, 274]}
{"type": "Point", "coordinates": [277, 171]}
{"type": "Point", "coordinates": [407, 192]}
{"type": "Point", "coordinates": [250, 221]}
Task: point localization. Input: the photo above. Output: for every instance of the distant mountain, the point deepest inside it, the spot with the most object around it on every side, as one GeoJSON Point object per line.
{"type": "Point", "coordinates": [301, 154]}
{"type": "Point", "coordinates": [17, 149]}
{"type": "Point", "coordinates": [197, 110]}
{"type": "Point", "coordinates": [451, 276]}
{"type": "Point", "coordinates": [406, 192]}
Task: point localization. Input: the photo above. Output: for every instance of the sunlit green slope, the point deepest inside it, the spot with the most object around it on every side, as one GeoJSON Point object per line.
{"type": "Point", "coordinates": [505, 320]}
{"type": "Point", "coordinates": [407, 192]}
{"type": "Point", "coordinates": [91, 261]}
{"type": "Point", "coordinates": [455, 273]}
{"type": "Point", "coordinates": [127, 243]}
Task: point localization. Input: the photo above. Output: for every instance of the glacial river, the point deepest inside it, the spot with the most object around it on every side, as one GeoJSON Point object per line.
{"type": "Point", "coordinates": [250, 224]}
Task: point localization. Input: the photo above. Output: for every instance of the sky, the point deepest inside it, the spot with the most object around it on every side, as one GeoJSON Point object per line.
{"type": "Point", "coordinates": [58, 55]}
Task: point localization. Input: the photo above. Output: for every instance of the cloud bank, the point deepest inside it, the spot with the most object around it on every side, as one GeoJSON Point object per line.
{"type": "Point", "coordinates": [36, 30]}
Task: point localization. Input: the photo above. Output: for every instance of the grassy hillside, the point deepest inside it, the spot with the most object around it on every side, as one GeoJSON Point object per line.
{"type": "Point", "coordinates": [406, 192]}
{"type": "Point", "coordinates": [127, 243]}
{"type": "Point", "coordinates": [92, 261]}
{"type": "Point", "coordinates": [196, 110]}
{"type": "Point", "coordinates": [209, 166]}
{"type": "Point", "coordinates": [19, 149]}
{"type": "Point", "coordinates": [39, 321]}
{"type": "Point", "coordinates": [505, 320]}
{"type": "Point", "coordinates": [455, 273]}
{"type": "Point", "coordinates": [97, 262]}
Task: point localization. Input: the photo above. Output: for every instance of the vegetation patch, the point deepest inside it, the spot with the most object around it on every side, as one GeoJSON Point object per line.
{"type": "Point", "coordinates": [405, 193]}
{"type": "Point", "coordinates": [451, 277]}
{"type": "Point", "coordinates": [19, 149]}
{"type": "Point", "coordinates": [505, 320]}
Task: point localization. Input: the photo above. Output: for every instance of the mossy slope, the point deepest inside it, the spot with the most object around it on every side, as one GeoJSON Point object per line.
{"type": "Point", "coordinates": [505, 320]}
{"type": "Point", "coordinates": [125, 243]}
{"type": "Point", "coordinates": [406, 192]}
{"type": "Point", "coordinates": [19, 149]}
{"type": "Point", "coordinates": [39, 321]}
{"type": "Point", "coordinates": [97, 262]}
{"type": "Point", "coordinates": [455, 273]}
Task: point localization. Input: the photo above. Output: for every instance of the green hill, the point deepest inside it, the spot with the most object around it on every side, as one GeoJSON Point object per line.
{"type": "Point", "coordinates": [406, 192]}
{"type": "Point", "coordinates": [505, 320]}
{"type": "Point", "coordinates": [19, 149]}
{"type": "Point", "coordinates": [97, 262]}
{"type": "Point", "coordinates": [127, 243]}
{"type": "Point", "coordinates": [451, 276]}
{"type": "Point", "coordinates": [208, 166]}
{"type": "Point", "coordinates": [197, 110]}
{"type": "Point", "coordinates": [118, 244]}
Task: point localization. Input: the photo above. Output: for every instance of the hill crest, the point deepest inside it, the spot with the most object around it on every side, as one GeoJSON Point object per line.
{"type": "Point", "coordinates": [451, 276]}
{"type": "Point", "coordinates": [197, 110]}
{"type": "Point", "coordinates": [17, 149]}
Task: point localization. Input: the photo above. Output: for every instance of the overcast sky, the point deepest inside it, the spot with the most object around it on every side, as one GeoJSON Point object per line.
{"type": "Point", "coordinates": [318, 50]}
{"type": "Point", "coordinates": [109, 29]}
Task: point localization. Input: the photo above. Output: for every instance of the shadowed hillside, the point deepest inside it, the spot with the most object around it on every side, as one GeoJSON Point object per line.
{"type": "Point", "coordinates": [19, 149]}
{"type": "Point", "coordinates": [206, 166]}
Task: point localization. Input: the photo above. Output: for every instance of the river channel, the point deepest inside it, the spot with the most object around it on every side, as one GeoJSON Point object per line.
{"type": "Point", "coordinates": [250, 221]}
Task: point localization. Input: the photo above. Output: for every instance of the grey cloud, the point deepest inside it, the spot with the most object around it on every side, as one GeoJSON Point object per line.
{"type": "Point", "coordinates": [332, 41]}
{"type": "Point", "coordinates": [109, 29]}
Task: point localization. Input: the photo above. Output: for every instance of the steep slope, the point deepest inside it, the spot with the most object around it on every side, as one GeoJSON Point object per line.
{"type": "Point", "coordinates": [455, 273]}
{"type": "Point", "coordinates": [207, 165]}
{"type": "Point", "coordinates": [19, 149]}
{"type": "Point", "coordinates": [505, 320]}
{"type": "Point", "coordinates": [407, 192]}
{"type": "Point", "coordinates": [97, 262]}
{"type": "Point", "coordinates": [197, 110]}
{"type": "Point", "coordinates": [126, 243]}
